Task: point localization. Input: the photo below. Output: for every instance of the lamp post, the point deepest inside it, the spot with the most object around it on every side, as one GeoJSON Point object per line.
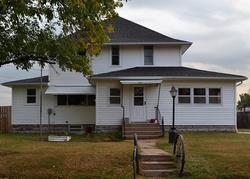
{"type": "Point", "coordinates": [173, 131]}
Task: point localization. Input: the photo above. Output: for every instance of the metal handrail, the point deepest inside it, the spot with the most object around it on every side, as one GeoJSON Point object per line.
{"type": "Point", "coordinates": [160, 120]}
{"type": "Point", "coordinates": [135, 158]}
{"type": "Point", "coordinates": [179, 153]}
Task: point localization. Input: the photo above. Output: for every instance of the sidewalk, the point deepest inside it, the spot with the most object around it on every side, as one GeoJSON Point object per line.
{"type": "Point", "coordinates": [148, 147]}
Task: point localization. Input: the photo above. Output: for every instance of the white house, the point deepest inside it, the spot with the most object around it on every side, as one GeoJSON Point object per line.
{"type": "Point", "coordinates": [132, 79]}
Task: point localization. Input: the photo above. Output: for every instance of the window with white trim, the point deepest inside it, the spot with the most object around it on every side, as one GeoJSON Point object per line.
{"type": "Point", "coordinates": [69, 100]}
{"type": "Point", "coordinates": [115, 55]}
{"type": "Point", "coordinates": [184, 95]}
{"type": "Point", "coordinates": [214, 96]}
{"type": "Point", "coordinates": [31, 96]}
{"type": "Point", "coordinates": [200, 95]}
{"type": "Point", "coordinates": [115, 96]}
{"type": "Point", "coordinates": [148, 55]}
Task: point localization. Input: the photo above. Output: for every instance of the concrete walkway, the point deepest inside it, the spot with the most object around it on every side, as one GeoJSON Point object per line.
{"type": "Point", "coordinates": [148, 147]}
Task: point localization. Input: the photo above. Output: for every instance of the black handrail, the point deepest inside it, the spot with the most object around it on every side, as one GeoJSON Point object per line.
{"type": "Point", "coordinates": [135, 159]}
{"type": "Point", "coordinates": [179, 153]}
{"type": "Point", "coordinates": [160, 120]}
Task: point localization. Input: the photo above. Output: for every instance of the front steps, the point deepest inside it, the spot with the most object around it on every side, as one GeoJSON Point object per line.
{"type": "Point", "coordinates": [143, 130]}
{"type": "Point", "coordinates": [157, 165]}
{"type": "Point", "coordinates": [155, 162]}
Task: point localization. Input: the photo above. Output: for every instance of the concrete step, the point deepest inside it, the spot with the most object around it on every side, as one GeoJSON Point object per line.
{"type": "Point", "coordinates": [141, 125]}
{"type": "Point", "coordinates": [164, 158]}
{"type": "Point", "coordinates": [157, 173]}
{"type": "Point", "coordinates": [143, 132]}
{"type": "Point", "coordinates": [153, 128]}
{"type": "Point", "coordinates": [157, 165]}
{"type": "Point", "coordinates": [131, 137]}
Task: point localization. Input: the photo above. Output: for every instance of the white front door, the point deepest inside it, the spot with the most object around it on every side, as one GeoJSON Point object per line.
{"type": "Point", "coordinates": [138, 104]}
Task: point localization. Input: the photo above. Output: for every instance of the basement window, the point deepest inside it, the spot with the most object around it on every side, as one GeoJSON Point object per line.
{"type": "Point", "coordinates": [75, 128]}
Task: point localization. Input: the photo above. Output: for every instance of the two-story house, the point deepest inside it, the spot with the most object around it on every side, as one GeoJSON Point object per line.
{"type": "Point", "coordinates": [132, 79]}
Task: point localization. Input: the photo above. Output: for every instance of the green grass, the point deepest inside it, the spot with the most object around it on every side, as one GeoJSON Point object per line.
{"type": "Point", "coordinates": [208, 156]}
{"type": "Point", "coordinates": [214, 155]}
{"type": "Point", "coordinates": [85, 156]}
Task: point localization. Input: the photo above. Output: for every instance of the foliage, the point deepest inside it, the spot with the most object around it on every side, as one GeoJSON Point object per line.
{"type": "Point", "coordinates": [244, 101]}
{"type": "Point", "coordinates": [54, 31]}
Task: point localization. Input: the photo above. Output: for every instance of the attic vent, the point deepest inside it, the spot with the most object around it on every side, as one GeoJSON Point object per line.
{"type": "Point", "coordinates": [75, 128]}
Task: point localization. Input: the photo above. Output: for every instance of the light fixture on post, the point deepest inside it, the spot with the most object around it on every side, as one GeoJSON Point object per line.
{"type": "Point", "coordinates": [173, 131]}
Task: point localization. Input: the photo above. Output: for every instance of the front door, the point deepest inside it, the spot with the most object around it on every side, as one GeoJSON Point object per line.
{"type": "Point", "coordinates": [138, 104]}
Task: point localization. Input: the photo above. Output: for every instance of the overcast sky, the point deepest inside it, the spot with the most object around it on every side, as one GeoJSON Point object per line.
{"type": "Point", "coordinates": [218, 29]}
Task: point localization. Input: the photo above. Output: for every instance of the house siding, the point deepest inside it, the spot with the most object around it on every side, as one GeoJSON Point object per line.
{"type": "Point", "coordinates": [185, 114]}
{"type": "Point", "coordinates": [204, 114]}
{"type": "Point", "coordinates": [30, 114]}
{"type": "Point", "coordinates": [107, 114]}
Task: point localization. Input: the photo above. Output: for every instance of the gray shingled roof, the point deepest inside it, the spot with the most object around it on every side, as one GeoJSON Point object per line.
{"type": "Point", "coordinates": [163, 72]}
{"type": "Point", "coordinates": [126, 31]}
{"type": "Point", "coordinates": [30, 81]}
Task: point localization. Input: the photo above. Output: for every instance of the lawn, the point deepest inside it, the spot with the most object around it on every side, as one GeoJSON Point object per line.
{"type": "Point", "coordinates": [93, 156]}
{"type": "Point", "coordinates": [208, 155]}
{"type": "Point", "coordinates": [214, 155]}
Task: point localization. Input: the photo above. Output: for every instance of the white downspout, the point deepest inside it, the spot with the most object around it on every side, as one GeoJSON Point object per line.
{"type": "Point", "coordinates": [236, 128]}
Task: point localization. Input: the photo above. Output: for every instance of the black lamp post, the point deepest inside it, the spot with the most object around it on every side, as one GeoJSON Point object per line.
{"type": "Point", "coordinates": [173, 131]}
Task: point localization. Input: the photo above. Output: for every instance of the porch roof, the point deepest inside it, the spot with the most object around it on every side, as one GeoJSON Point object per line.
{"type": "Point", "coordinates": [163, 72]}
{"type": "Point", "coordinates": [67, 90]}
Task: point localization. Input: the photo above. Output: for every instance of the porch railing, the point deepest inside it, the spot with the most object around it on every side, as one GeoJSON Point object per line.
{"type": "Point", "coordinates": [160, 119]}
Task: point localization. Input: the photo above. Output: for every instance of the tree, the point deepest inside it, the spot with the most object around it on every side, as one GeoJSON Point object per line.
{"type": "Point", "coordinates": [244, 101]}
{"type": "Point", "coordinates": [54, 31]}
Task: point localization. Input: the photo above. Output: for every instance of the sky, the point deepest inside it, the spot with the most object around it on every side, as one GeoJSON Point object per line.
{"type": "Point", "coordinates": [218, 29]}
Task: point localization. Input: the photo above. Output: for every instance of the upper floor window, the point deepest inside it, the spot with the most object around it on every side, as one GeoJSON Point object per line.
{"type": "Point", "coordinates": [115, 57]}
{"type": "Point", "coordinates": [115, 96]}
{"type": "Point", "coordinates": [148, 55]}
{"type": "Point", "coordinates": [86, 100]}
{"type": "Point", "coordinates": [31, 96]}
{"type": "Point", "coordinates": [214, 95]}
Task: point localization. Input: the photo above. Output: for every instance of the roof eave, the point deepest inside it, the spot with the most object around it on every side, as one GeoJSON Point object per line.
{"type": "Point", "coordinates": [22, 84]}
{"type": "Point", "coordinates": [169, 78]}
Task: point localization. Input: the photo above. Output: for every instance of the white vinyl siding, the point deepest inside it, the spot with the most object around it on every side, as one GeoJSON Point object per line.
{"type": "Point", "coordinates": [200, 114]}
{"type": "Point", "coordinates": [30, 114]}
{"type": "Point", "coordinates": [107, 114]}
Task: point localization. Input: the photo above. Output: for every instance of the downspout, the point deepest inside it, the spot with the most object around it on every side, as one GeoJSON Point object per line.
{"type": "Point", "coordinates": [236, 128]}
{"type": "Point", "coordinates": [159, 93]}
{"type": "Point", "coordinates": [123, 115]}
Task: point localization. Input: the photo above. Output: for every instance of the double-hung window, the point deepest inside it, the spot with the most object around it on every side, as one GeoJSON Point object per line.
{"type": "Point", "coordinates": [115, 55]}
{"type": "Point", "coordinates": [214, 96]}
{"type": "Point", "coordinates": [148, 55]}
{"type": "Point", "coordinates": [31, 96]}
{"type": "Point", "coordinates": [184, 95]}
{"type": "Point", "coordinates": [200, 95]}
{"type": "Point", "coordinates": [115, 96]}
